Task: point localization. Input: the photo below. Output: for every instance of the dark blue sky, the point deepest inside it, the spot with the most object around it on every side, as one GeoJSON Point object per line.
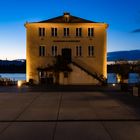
{"type": "Point", "coordinates": [123, 17]}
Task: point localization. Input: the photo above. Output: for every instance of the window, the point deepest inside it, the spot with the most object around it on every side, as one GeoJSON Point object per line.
{"type": "Point", "coordinates": [54, 31]}
{"type": "Point", "coordinates": [54, 50]}
{"type": "Point", "coordinates": [78, 51]}
{"type": "Point", "coordinates": [41, 50]}
{"type": "Point", "coordinates": [90, 31]}
{"type": "Point", "coordinates": [66, 19]}
{"type": "Point", "coordinates": [41, 32]}
{"type": "Point", "coordinates": [42, 74]}
{"type": "Point", "coordinates": [78, 31]}
{"type": "Point", "coordinates": [66, 31]}
{"type": "Point", "coordinates": [90, 50]}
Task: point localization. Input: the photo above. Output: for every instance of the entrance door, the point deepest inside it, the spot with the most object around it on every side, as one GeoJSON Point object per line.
{"type": "Point", "coordinates": [66, 54]}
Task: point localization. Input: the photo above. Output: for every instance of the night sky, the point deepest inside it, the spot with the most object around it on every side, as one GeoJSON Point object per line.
{"type": "Point", "coordinates": [123, 17]}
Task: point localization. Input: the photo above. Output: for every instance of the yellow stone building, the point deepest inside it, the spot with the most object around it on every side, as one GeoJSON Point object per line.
{"type": "Point", "coordinates": [66, 50]}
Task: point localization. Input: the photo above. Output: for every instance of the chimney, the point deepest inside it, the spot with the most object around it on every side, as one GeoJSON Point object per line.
{"type": "Point", "coordinates": [66, 16]}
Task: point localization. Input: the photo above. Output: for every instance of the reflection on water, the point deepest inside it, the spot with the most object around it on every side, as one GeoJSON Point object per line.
{"type": "Point", "coordinates": [133, 78]}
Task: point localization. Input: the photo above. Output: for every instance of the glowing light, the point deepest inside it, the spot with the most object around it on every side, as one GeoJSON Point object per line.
{"type": "Point", "coordinates": [113, 85]}
{"type": "Point", "coordinates": [118, 78]}
{"type": "Point", "coordinates": [19, 83]}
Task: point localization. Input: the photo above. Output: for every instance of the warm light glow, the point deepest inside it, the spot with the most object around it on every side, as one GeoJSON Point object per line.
{"type": "Point", "coordinates": [33, 61]}
{"type": "Point", "coordinates": [19, 83]}
{"type": "Point", "coordinates": [118, 78]}
{"type": "Point", "coordinates": [113, 85]}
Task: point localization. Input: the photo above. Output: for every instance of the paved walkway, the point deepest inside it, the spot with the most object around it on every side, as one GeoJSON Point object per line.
{"type": "Point", "coordinates": [69, 116]}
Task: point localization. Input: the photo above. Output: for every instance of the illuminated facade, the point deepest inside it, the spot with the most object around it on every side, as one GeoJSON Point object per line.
{"type": "Point", "coordinates": [80, 42]}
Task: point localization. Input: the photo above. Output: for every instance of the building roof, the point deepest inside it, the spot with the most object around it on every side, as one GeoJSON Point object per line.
{"type": "Point", "coordinates": [66, 18]}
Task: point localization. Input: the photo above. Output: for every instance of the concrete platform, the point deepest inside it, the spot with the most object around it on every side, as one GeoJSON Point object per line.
{"type": "Point", "coordinates": [98, 115]}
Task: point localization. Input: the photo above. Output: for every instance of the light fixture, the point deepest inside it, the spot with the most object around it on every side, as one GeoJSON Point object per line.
{"type": "Point", "coordinates": [113, 85]}
{"type": "Point", "coordinates": [19, 83]}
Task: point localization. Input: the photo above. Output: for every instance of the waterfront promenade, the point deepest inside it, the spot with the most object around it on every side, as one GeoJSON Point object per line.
{"type": "Point", "coordinates": [41, 114]}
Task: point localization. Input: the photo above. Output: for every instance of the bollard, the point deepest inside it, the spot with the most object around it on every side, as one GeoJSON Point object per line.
{"type": "Point", "coordinates": [135, 91]}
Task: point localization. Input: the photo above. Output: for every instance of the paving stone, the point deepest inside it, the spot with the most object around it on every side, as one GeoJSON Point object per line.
{"type": "Point", "coordinates": [44, 107]}
{"type": "Point", "coordinates": [81, 131]}
{"type": "Point", "coordinates": [28, 131]}
{"type": "Point", "coordinates": [128, 130]}
{"type": "Point", "coordinates": [11, 105]}
{"type": "Point", "coordinates": [76, 107]}
{"type": "Point", "coordinates": [3, 125]}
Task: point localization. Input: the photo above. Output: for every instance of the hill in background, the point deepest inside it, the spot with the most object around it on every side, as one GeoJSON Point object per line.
{"type": "Point", "coordinates": [124, 55]}
{"type": "Point", "coordinates": [15, 66]}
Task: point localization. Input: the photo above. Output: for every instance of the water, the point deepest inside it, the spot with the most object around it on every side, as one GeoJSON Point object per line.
{"type": "Point", "coordinates": [111, 78]}
{"type": "Point", "coordinates": [133, 77]}
{"type": "Point", "coordinates": [14, 76]}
